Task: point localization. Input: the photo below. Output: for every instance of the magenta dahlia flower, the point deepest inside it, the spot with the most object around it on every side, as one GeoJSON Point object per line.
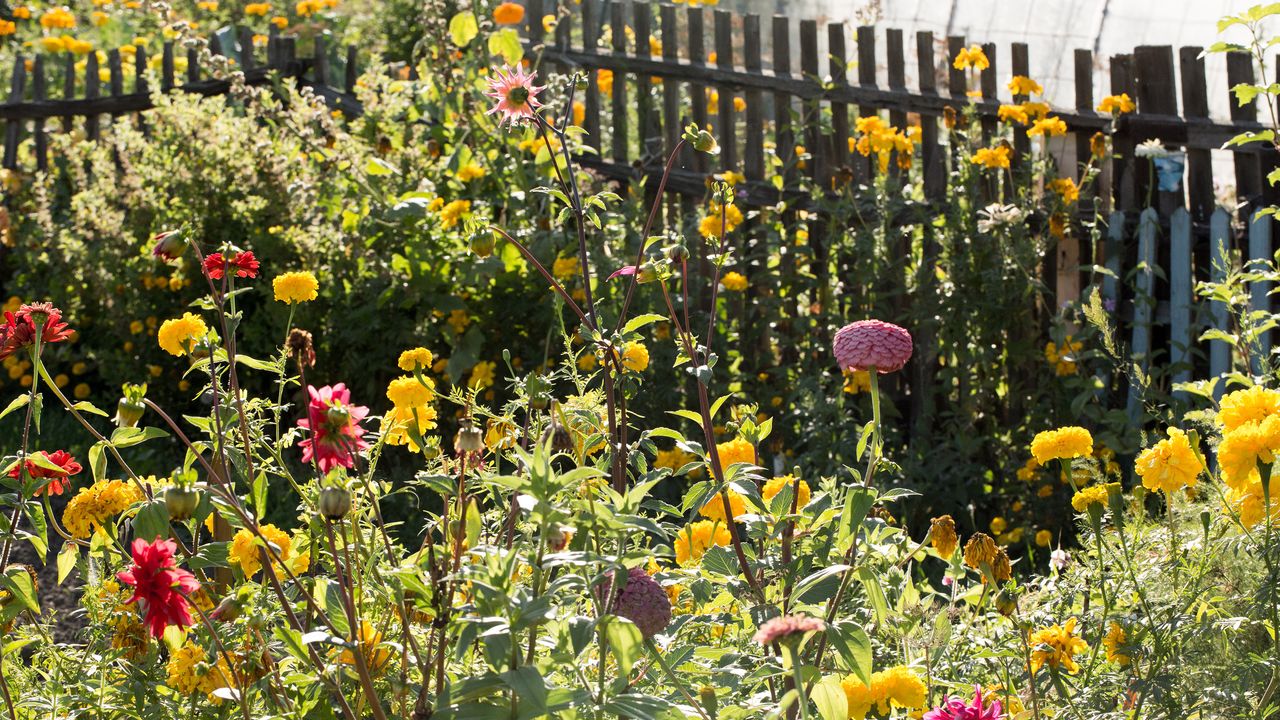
{"type": "Point", "coordinates": [643, 602]}
{"type": "Point", "coordinates": [159, 585]}
{"type": "Point", "coordinates": [780, 628]}
{"type": "Point", "coordinates": [515, 93]}
{"type": "Point", "coordinates": [953, 708]}
{"type": "Point", "coordinates": [872, 344]}
{"type": "Point", "coordinates": [336, 435]}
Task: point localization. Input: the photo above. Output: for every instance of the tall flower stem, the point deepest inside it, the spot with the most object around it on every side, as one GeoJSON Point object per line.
{"type": "Point", "coordinates": [23, 473]}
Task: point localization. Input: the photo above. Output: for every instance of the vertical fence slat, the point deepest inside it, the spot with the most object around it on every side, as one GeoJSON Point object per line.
{"type": "Point", "coordinates": [166, 67]}
{"type": "Point", "coordinates": [13, 129]}
{"type": "Point", "coordinates": [783, 138]}
{"type": "Point", "coordinates": [193, 65]}
{"type": "Point", "coordinates": [1195, 106]}
{"type": "Point", "coordinates": [115, 76]}
{"type": "Point", "coordinates": [1122, 165]}
{"type": "Point", "coordinates": [618, 102]}
{"type": "Point", "coordinates": [812, 108]}
{"type": "Point", "coordinates": [1020, 64]}
{"type": "Point", "coordinates": [1111, 281]}
{"type": "Point", "coordinates": [1157, 94]}
{"type": "Point", "coordinates": [753, 143]}
{"type": "Point", "coordinates": [320, 62]}
{"type": "Point", "coordinates": [247, 59]}
{"type": "Point", "coordinates": [40, 91]}
{"type": "Point", "coordinates": [68, 87]}
{"type": "Point", "coordinates": [863, 169]}
{"type": "Point", "coordinates": [697, 91]}
{"type": "Point", "coordinates": [1084, 105]}
{"type": "Point", "coordinates": [1248, 170]}
{"type": "Point", "coordinates": [1143, 301]}
{"type": "Point", "coordinates": [591, 101]}
{"type": "Point", "coordinates": [671, 122]}
{"type": "Point", "coordinates": [647, 121]}
{"type": "Point", "coordinates": [957, 83]}
{"type": "Point", "coordinates": [1180, 297]}
{"type": "Point", "coordinates": [1259, 291]}
{"type": "Point", "coordinates": [726, 129]}
{"type": "Point", "coordinates": [932, 160]}
{"type": "Point", "coordinates": [989, 83]}
{"type": "Point", "coordinates": [533, 20]}
{"type": "Point", "coordinates": [91, 83]}
{"type": "Point", "coordinates": [1220, 267]}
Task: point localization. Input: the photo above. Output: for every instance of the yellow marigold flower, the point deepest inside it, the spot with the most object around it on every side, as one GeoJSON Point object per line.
{"type": "Point", "coordinates": [1251, 504]}
{"type": "Point", "coordinates": [1095, 495]}
{"type": "Point", "coordinates": [549, 23]}
{"type": "Point", "coordinates": [1170, 464]}
{"type": "Point", "coordinates": [998, 525]}
{"type": "Point", "coordinates": [59, 18]}
{"type": "Point", "coordinates": [1098, 145]}
{"type": "Point", "coordinates": [721, 220]}
{"type": "Point", "coordinates": [635, 357]}
{"type": "Point", "coordinates": [1117, 104]}
{"type": "Point", "coordinates": [1023, 85]}
{"type": "Point", "coordinates": [93, 507]}
{"type": "Point", "coordinates": [713, 508]}
{"type": "Point", "coordinates": [1001, 568]}
{"type": "Point", "coordinates": [136, 327]}
{"type": "Point", "coordinates": [736, 451]}
{"type": "Point", "coordinates": [508, 13]}
{"type": "Point", "coordinates": [992, 158]}
{"type": "Point", "coordinates": [370, 643]}
{"type": "Point", "coordinates": [81, 391]}
{"type": "Point", "coordinates": [404, 421]}
{"type": "Point", "coordinates": [734, 281]}
{"type": "Point", "coordinates": [281, 22]}
{"type": "Point", "coordinates": [482, 375]}
{"type": "Point", "coordinates": [604, 81]}
{"type": "Point", "coordinates": [53, 44]}
{"type": "Point", "coordinates": [178, 336]}
{"type": "Point", "coordinates": [208, 5]}
{"type": "Point", "coordinates": [248, 554]}
{"type": "Point", "coordinates": [895, 687]}
{"type": "Point", "coordinates": [453, 212]}
{"type": "Point", "coordinates": [1043, 538]}
{"type": "Point", "coordinates": [694, 540]}
{"type": "Point", "coordinates": [408, 392]}
{"type": "Point", "coordinates": [418, 358]}
{"type": "Point", "coordinates": [1062, 444]}
{"type": "Point", "coordinates": [61, 380]}
{"type": "Point", "coordinates": [942, 534]}
{"type": "Point", "coordinates": [1036, 110]}
{"type": "Point", "coordinates": [1252, 405]}
{"type": "Point", "coordinates": [296, 287]}
{"type": "Point", "coordinates": [458, 322]}
{"type": "Point", "coordinates": [565, 267]}
{"type": "Point", "coordinates": [259, 9]}
{"type": "Point", "coordinates": [470, 172]}
{"type": "Point", "coordinates": [980, 549]}
{"type": "Point", "coordinates": [971, 57]}
{"type": "Point", "coordinates": [1244, 447]}
{"type": "Point", "coordinates": [1013, 113]}
{"type": "Point", "coordinates": [1066, 189]}
{"type": "Point", "coordinates": [1114, 643]}
{"type": "Point", "coordinates": [775, 486]}
{"type": "Point", "coordinates": [1057, 646]}
{"type": "Point", "coordinates": [22, 12]}
{"type": "Point", "coordinates": [672, 459]}
{"type": "Point", "coordinates": [1050, 126]}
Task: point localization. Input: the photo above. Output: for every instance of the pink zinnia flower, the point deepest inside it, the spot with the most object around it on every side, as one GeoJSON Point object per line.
{"type": "Point", "coordinates": [336, 435]}
{"type": "Point", "coordinates": [515, 94]}
{"type": "Point", "coordinates": [59, 481]}
{"type": "Point", "coordinates": [953, 708]}
{"type": "Point", "coordinates": [869, 344]}
{"type": "Point", "coordinates": [19, 329]}
{"type": "Point", "coordinates": [159, 585]}
{"type": "Point", "coordinates": [780, 628]}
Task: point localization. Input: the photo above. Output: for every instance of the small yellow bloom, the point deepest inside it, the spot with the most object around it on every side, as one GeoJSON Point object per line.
{"type": "Point", "coordinates": [972, 56]}
{"type": "Point", "coordinates": [1023, 85]}
{"type": "Point", "coordinates": [1117, 104]}
{"type": "Point", "coordinates": [296, 287]}
{"type": "Point", "coordinates": [178, 336]}
{"type": "Point", "coordinates": [1062, 444]}
{"type": "Point", "coordinates": [993, 157]}
{"type": "Point", "coordinates": [1050, 126]}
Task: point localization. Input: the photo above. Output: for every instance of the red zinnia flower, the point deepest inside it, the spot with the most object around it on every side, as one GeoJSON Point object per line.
{"type": "Point", "coordinates": [62, 459]}
{"type": "Point", "coordinates": [246, 265]}
{"type": "Point", "coordinates": [161, 586]}
{"type": "Point", "coordinates": [19, 329]}
{"type": "Point", "coordinates": [334, 423]}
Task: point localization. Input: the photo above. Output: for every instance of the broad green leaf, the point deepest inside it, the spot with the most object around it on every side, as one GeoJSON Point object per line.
{"type": "Point", "coordinates": [853, 646]}
{"type": "Point", "coordinates": [625, 642]}
{"type": "Point", "coordinates": [830, 698]}
{"type": "Point", "coordinates": [88, 407]}
{"type": "Point", "coordinates": [530, 687]}
{"type": "Point", "coordinates": [640, 321]}
{"type": "Point", "coordinates": [463, 28]}
{"type": "Point", "coordinates": [506, 43]}
{"type": "Point", "coordinates": [67, 558]}
{"type": "Point", "coordinates": [20, 585]}
{"type": "Point", "coordinates": [20, 401]}
{"type": "Point", "coordinates": [152, 520]}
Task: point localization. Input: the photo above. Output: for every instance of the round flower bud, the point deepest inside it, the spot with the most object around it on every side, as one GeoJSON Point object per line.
{"type": "Point", "coordinates": [228, 610]}
{"type": "Point", "coordinates": [129, 412]}
{"type": "Point", "coordinates": [334, 503]}
{"type": "Point", "coordinates": [559, 437]}
{"type": "Point", "coordinates": [643, 602]}
{"type": "Point", "coordinates": [482, 242]}
{"type": "Point", "coordinates": [678, 253]}
{"type": "Point", "coordinates": [181, 502]}
{"type": "Point", "coordinates": [872, 345]}
{"type": "Point", "coordinates": [337, 416]}
{"type": "Point", "coordinates": [469, 440]}
{"type": "Point", "coordinates": [1006, 603]}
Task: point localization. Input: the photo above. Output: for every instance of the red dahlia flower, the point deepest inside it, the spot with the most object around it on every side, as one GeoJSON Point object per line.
{"type": "Point", "coordinates": [19, 329]}
{"type": "Point", "coordinates": [245, 264]}
{"type": "Point", "coordinates": [336, 435]}
{"type": "Point", "coordinates": [872, 344]}
{"type": "Point", "coordinates": [60, 483]}
{"type": "Point", "coordinates": [159, 585]}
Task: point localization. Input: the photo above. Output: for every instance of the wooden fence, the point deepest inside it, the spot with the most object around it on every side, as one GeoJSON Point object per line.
{"type": "Point", "coordinates": [665, 66]}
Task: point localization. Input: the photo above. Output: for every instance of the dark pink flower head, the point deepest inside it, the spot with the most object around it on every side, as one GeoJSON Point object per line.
{"type": "Point", "coordinates": [515, 93]}
{"type": "Point", "coordinates": [168, 245]}
{"type": "Point", "coordinates": [643, 602]}
{"type": "Point", "coordinates": [953, 708]}
{"type": "Point", "coordinates": [59, 481]}
{"type": "Point", "coordinates": [244, 264]}
{"type": "Point", "coordinates": [868, 344]}
{"type": "Point", "coordinates": [19, 329]}
{"type": "Point", "coordinates": [781, 628]}
{"type": "Point", "coordinates": [336, 435]}
{"type": "Point", "coordinates": [159, 586]}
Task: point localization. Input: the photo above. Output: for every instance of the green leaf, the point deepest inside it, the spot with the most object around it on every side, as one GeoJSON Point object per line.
{"type": "Point", "coordinates": [152, 521]}
{"type": "Point", "coordinates": [853, 645]}
{"type": "Point", "coordinates": [463, 28]}
{"type": "Point", "coordinates": [259, 493]}
{"type": "Point", "coordinates": [19, 584]}
{"type": "Point", "coordinates": [640, 321]}
{"type": "Point", "coordinates": [376, 167]}
{"type": "Point", "coordinates": [88, 407]}
{"type": "Point", "coordinates": [67, 558]}
{"type": "Point", "coordinates": [130, 436]}
{"type": "Point", "coordinates": [506, 42]}
{"type": "Point", "coordinates": [720, 561]}
{"type": "Point", "coordinates": [625, 642]}
{"type": "Point", "coordinates": [97, 461]}
{"type": "Point", "coordinates": [530, 687]}
{"type": "Point", "coordinates": [257, 364]}
{"type": "Point", "coordinates": [18, 402]}
{"type": "Point", "coordinates": [830, 698]}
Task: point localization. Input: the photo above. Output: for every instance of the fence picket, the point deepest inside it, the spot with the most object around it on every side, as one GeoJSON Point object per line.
{"type": "Point", "coordinates": [618, 100]}
{"type": "Point", "coordinates": [726, 129]}
{"type": "Point", "coordinates": [1248, 170]}
{"type": "Point", "coordinates": [591, 100]}
{"type": "Point", "coordinates": [753, 143]}
{"type": "Point", "coordinates": [1260, 290]}
{"type": "Point", "coordinates": [1195, 104]}
{"type": "Point", "coordinates": [91, 82]}
{"type": "Point", "coordinates": [1180, 294]}
{"type": "Point", "coordinates": [1143, 305]}
{"type": "Point", "coordinates": [39, 91]}
{"type": "Point", "coordinates": [697, 91]}
{"type": "Point", "coordinates": [13, 130]}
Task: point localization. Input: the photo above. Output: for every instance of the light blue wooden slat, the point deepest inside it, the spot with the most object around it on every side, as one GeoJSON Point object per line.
{"type": "Point", "coordinates": [1260, 249]}
{"type": "Point", "coordinates": [1180, 294]}
{"type": "Point", "coordinates": [1143, 303]}
{"type": "Point", "coordinates": [1220, 265]}
{"type": "Point", "coordinates": [1110, 282]}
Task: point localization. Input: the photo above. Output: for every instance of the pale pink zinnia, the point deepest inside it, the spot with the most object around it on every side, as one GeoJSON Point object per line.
{"type": "Point", "coordinates": [868, 344]}
{"type": "Point", "coordinates": [515, 93]}
{"type": "Point", "coordinates": [780, 628]}
{"type": "Point", "coordinates": [336, 435]}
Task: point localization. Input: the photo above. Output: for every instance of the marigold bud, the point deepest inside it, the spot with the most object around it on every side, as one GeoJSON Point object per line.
{"type": "Point", "coordinates": [334, 503]}
{"type": "Point", "coordinates": [181, 501]}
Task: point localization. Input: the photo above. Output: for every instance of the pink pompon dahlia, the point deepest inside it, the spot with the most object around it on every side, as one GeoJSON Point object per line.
{"type": "Point", "coordinates": [643, 602]}
{"type": "Point", "coordinates": [953, 708]}
{"type": "Point", "coordinates": [515, 93]}
{"type": "Point", "coordinates": [787, 626]}
{"type": "Point", "coordinates": [336, 435]}
{"type": "Point", "coordinates": [872, 344]}
{"type": "Point", "coordinates": [159, 585]}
